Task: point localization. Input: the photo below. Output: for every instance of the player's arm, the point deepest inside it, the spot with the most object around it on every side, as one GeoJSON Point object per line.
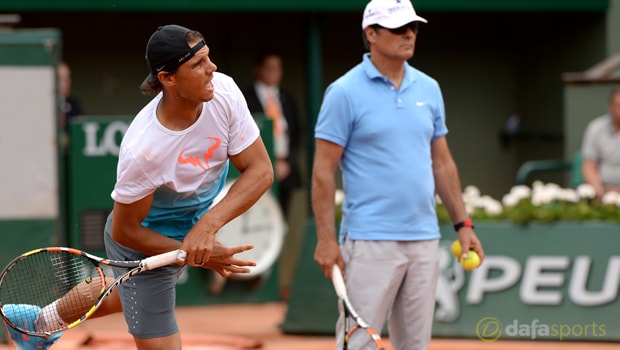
{"type": "Point", "coordinates": [127, 228]}
{"type": "Point", "coordinates": [256, 176]}
{"type": "Point", "coordinates": [448, 187]}
{"type": "Point", "coordinates": [326, 158]}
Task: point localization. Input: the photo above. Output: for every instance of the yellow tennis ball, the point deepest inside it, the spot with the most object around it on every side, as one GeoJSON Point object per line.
{"type": "Point", "coordinates": [456, 249]}
{"type": "Point", "coordinates": [471, 262]}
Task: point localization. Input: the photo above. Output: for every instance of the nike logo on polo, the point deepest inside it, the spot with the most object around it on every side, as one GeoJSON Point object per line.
{"type": "Point", "coordinates": [420, 103]}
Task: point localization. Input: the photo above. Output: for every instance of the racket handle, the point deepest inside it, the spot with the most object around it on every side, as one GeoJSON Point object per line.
{"type": "Point", "coordinates": [164, 259]}
{"type": "Point", "coordinates": [338, 281]}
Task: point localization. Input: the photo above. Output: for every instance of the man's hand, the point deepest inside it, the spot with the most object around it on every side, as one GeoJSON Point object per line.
{"type": "Point", "coordinates": [224, 262]}
{"type": "Point", "coordinates": [469, 241]}
{"type": "Point", "coordinates": [327, 254]}
{"type": "Point", "coordinates": [199, 247]}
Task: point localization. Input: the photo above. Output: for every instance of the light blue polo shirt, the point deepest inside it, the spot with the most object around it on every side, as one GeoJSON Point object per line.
{"type": "Point", "coordinates": [386, 165]}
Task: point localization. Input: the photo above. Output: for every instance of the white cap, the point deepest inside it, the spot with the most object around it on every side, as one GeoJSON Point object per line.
{"type": "Point", "coordinates": [390, 13]}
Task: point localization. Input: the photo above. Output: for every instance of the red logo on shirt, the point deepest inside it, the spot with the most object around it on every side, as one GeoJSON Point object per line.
{"type": "Point", "coordinates": [195, 160]}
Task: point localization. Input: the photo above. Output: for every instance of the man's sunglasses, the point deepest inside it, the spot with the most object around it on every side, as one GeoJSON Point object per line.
{"type": "Point", "coordinates": [400, 30]}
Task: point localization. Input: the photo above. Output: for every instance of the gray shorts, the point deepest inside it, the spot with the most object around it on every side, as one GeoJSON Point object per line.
{"type": "Point", "coordinates": [393, 281]}
{"type": "Point", "coordinates": [148, 299]}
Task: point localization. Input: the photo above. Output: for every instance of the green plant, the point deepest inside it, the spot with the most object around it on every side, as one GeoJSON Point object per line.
{"type": "Point", "coordinates": [540, 203]}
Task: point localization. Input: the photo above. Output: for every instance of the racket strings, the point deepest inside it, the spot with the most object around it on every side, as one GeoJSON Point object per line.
{"type": "Point", "coordinates": [59, 287]}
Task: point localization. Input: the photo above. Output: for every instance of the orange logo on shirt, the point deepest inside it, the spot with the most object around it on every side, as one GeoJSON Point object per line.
{"type": "Point", "coordinates": [195, 160]}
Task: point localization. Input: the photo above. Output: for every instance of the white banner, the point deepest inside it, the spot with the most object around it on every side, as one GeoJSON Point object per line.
{"type": "Point", "coordinates": [28, 152]}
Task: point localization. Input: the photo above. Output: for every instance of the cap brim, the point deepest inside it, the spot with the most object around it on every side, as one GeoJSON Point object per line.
{"type": "Point", "coordinates": [399, 22]}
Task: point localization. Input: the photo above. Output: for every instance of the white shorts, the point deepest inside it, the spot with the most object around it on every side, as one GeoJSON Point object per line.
{"type": "Point", "coordinates": [393, 281]}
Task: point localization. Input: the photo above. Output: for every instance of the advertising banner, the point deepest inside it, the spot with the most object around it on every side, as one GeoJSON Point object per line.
{"type": "Point", "coordinates": [539, 281]}
{"type": "Point", "coordinates": [555, 282]}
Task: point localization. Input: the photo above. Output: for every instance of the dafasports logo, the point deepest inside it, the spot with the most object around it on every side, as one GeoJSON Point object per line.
{"type": "Point", "coordinates": [490, 329]}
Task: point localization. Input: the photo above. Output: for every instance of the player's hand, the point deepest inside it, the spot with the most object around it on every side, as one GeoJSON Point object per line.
{"type": "Point", "coordinates": [198, 246]}
{"type": "Point", "coordinates": [327, 254]}
{"type": "Point", "coordinates": [224, 262]}
{"type": "Point", "coordinates": [469, 241]}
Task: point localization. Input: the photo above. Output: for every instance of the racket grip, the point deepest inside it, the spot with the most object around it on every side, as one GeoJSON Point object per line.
{"type": "Point", "coordinates": [181, 255]}
{"type": "Point", "coordinates": [164, 259]}
{"type": "Point", "coordinates": [338, 281]}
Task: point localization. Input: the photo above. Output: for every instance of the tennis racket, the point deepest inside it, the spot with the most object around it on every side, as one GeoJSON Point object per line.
{"type": "Point", "coordinates": [72, 279]}
{"type": "Point", "coordinates": [349, 312]}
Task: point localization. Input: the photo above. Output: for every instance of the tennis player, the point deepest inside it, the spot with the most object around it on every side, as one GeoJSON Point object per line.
{"type": "Point", "coordinates": [383, 124]}
{"type": "Point", "coordinates": [173, 162]}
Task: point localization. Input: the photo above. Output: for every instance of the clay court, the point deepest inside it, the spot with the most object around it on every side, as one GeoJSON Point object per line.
{"type": "Point", "coordinates": [256, 326]}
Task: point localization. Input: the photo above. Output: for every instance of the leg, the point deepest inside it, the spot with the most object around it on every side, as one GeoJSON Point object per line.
{"type": "Point", "coordinates": [76, 304]}
{"type": "Point", "coordinates": [411, 320]}
{"type": "Point", "coordinates": [27, 314]}
{"type": "Point", "coordinates": [148, 301]}
{"type": "Point", "coordinates": [111, 304]}
{"type": "Point", "coordinates": [64, 311]}
{"type": "Point", "coordinates": [171, 342]}
{"type": "Point", "coordinates": [373, 274]}
{"type": "Point", "coordinates": [69, 308]}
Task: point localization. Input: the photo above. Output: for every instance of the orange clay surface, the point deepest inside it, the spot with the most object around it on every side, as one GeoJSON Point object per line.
{"type": "Point", "coordinates": [256, 326]}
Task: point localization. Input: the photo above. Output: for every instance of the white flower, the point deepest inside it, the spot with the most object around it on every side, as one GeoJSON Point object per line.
{"type": "Point", "coordinates": [471, 195]}
{"type": "Point", "coordinates": [470, 208]}
{"type": "Point", "coordinates": [542, 196]}
{"type": "Point", "coordinates": [536, 185]}
{"type": "Point", "coordinates": [545, 193]}
{"type": "Point", "coordinates": [339, 197]}
{"type": "Point", "coordinates": [520, 192]}
{"type": "Point", "coordinates": [554, 191]}
{"type": "Point", "coordinates": [586, 191]}
{"type": "Point", "coordinates": [491, 206]}
{"type": "Point", "coordinates": [539, 194]}
{"type": "Point", "coordinates": [611, 198]}
{"type": "Point", "coordinates": [516, 194]}
{"type": "Point", "coordinates": [569, 195]}
{"type": "Point", "coordinates": [471, 192]}
{"type": "Point", "coordinates": [537, 199]}
{"type": "Point", "coordinates": [510, 199]}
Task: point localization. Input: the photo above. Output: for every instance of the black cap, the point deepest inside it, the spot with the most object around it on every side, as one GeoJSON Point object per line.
{"type": "Point", "coordinates": [167, 48]}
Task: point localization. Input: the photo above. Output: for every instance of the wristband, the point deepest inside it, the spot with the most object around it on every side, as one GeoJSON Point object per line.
{"type": "Point", "coordinates": [466, 223]}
